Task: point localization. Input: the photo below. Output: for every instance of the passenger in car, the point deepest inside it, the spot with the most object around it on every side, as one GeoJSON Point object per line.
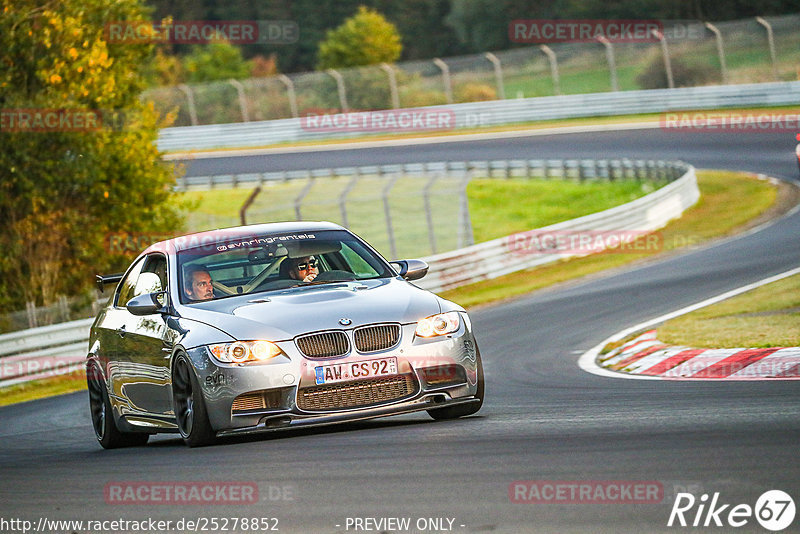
{"type": "Point", "coordinates": [303, 269]}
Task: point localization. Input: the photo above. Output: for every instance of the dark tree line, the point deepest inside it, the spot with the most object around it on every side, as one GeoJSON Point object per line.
{"type": "Point", "coordinates": [432, 28]}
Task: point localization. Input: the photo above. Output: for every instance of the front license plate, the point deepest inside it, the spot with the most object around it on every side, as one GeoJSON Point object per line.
{"type": "Point", "coordinates": [340, 372]}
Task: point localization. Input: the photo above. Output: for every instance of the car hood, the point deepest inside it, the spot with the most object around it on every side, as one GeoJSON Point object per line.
{"type": "Point", "coordinates": [282, 315]}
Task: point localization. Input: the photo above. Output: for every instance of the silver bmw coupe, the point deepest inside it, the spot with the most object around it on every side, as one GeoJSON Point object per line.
{"type": "Point", "coordinates": [269, 327]}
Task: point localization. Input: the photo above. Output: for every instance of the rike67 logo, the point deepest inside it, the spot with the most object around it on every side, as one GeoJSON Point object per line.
{"type": "Point", "coordinates": [774, 510]}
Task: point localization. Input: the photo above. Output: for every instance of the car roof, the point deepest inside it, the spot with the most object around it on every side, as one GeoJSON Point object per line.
{"type": "Point", "coordinates": [224, 235]}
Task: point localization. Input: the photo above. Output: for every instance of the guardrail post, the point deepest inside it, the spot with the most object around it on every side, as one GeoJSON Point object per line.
{"type": "Point", "coordinates": [665, 53]}
{"type": "Point", "coordinates": [299, 200]}
{"type": "Point", "coordinates": [291, 92]}
{"type": "Point", "coordinates": [448, 86]}
{"type": "Point", "coordinates": [720, 50]}
{"type": "Point", "coordinates": [333, 73]}
{"type": "Point", "coordinates": [343, 197]}
{"type": "Point", "coordinates": [498, 74]}
{"type": "Point", "coordinates": [771, 43]}
{"type": "Point", "coordinates": [189, 102]}
{"type": "Point", "coordinates": [388, 214]}
{"type": "Point", "coordinates": [612, 64]}
{"type": "Point", "coordinates": [426, 195]}
{"type": "Point", "coordinates": [392, 85]}
{"type": "Point", "coordinates": [242, 99]}
{"type": "Point", "coordinates": [551, 57]}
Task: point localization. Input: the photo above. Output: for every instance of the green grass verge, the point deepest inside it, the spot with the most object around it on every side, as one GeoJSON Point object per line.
{"type": "Point", "coordinates": [500, 207]}
{"type": "Point", "coordinates": [729, 200]}
{"type": "Point", "coordinates": [768, 316]}
{"type": "Point", "coordinates": [46, 387]}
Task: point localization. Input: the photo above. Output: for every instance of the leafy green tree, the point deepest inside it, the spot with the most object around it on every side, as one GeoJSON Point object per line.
{"type": "Point", "coordinates": [215, 61]}
{"type": "Point", "coordinates": [366, 38]}
{"type": "Point", "coordinates": [65, 189]}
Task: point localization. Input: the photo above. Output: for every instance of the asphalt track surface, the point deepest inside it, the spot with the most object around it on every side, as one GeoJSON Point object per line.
{"type": "Point", "coordinates": [544, 418]}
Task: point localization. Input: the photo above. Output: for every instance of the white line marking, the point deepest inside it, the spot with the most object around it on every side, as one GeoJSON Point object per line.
{"type": "Point", "coordinates": [587, 360]}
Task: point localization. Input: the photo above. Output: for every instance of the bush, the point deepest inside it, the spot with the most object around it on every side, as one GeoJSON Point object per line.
{"type": "Point", "coordinates": [685, 72]}
{"type": "Point", "coordinates": [475, 92]}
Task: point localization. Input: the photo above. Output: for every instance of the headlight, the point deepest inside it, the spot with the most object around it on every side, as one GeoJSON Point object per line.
{"type": "Point", "coordinates": [438, 325]}
{"type": "Point", "coordinates": [245, 351]}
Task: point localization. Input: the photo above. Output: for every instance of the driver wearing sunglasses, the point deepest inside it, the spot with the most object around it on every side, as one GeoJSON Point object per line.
{"type": "Point", "coordinates": [304, 269]}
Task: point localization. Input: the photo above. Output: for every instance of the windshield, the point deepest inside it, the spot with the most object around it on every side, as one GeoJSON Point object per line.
{"type": "Point", "coordinates": [275, 261]}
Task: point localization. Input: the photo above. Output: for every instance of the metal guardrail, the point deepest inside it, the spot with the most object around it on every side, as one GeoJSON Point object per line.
{"type": "Point", "coordinates": [40, 352]}
{"type": "Point", "coordinates": [577, 169]}
{"type": "Point", "coordinates": [505, 255]}
{"type": "Point", "coordinates": [495, 113]}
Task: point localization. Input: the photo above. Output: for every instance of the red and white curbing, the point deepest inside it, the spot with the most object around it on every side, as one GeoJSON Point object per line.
{"type": "Point", "coordinates": [646, 356]}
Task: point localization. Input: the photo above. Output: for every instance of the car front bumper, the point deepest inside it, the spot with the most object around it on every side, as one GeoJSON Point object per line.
{"type": "Point", "coordinates": [432, 373]}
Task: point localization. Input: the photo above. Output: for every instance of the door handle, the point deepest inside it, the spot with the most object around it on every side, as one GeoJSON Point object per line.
{"type": "Point", "coordinates": [121, 331]}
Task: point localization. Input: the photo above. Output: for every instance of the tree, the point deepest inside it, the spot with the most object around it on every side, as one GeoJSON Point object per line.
{"type": "Point", "coordinates": [215, 61]}
{"type": "Point", "coordinates": [366, 38]}
{"type": "Point", "coordinates": [65, 188]}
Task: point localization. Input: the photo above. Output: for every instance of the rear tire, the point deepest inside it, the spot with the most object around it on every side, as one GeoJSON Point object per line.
{"type": "Point", "coordinates": [105, 429]}
{"type": "Point", "coordinates": [189, 405]}
{"type": "Point", "coordinates": [463, 410]}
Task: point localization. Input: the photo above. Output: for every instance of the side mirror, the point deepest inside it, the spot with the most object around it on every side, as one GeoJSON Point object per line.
{"type": "Point", "coordinates": [148, 303]}
{"type": "Point", "coordinates": [411, 269]}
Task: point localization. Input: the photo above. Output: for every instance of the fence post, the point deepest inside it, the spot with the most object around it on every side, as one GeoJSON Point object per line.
{"type": "Point", "coordinates": [720, 50]}
{"type": "Point", "coordinates": [242, 99]}
{"type": "Point", "coordinates": [448, 86]}
{"type": "Point", "coordinates": [465, 235]}
{"type": "Point", "coordinates": [189, 102]}
{"type": "Point", "coordinates": [30, 309]}
{"type": "Point", "coordinates": [551, 57]}
{"type": "Point", "coordinates": [299, 200]}
{"type": "Point", "coordinates": [392, 84]}
{"type": "Point", "coordinates": [333, 73]}
{"type": "Point", "coordinates": [771, 43]}
{"type": "Point", "coordinates": [292, 95]}
{"type": "Point", "coordinates": [343, 197]}
{"type": "Point", "coordinates": [665, 53]}
{"type": "Point", "coordinates": [388, 214]}
{"type": "Point", "coordinates": [247, 203]}
{"type": "Point", "coordinates": [498, 74]}
{"type": "Point", "coordinates": [426, 195]}
{"type": "Point", "coordinates": [63, 308]}
{"type": "Point", "coordinates": [612, 64]}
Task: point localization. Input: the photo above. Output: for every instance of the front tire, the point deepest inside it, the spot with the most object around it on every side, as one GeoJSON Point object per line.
{"type": "Point", "coordinates": [189, 405]}
{"type": "Point", "coordinates": [463, 410]}
{"type": "Point", "coordinates": [105, 429]}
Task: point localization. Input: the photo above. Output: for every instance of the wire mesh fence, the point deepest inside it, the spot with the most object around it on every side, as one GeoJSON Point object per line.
{"type": "Point", "coordinates": [691, 54]}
